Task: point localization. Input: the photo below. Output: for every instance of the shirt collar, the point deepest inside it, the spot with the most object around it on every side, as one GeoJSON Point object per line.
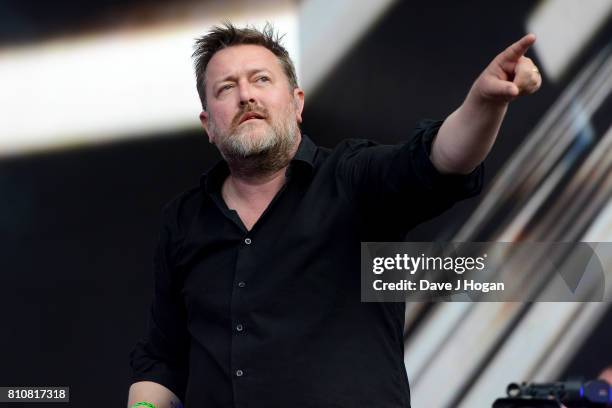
{"type": "Point", "coordinates": [306, 152]}
{"type": "Point", "coordinates": [302, 164]}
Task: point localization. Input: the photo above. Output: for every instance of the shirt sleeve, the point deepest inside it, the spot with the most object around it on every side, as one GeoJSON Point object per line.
{"type": "Point", "coordinates": [162, 355]}
{"type": "Point", "coordinates": [397, 186]}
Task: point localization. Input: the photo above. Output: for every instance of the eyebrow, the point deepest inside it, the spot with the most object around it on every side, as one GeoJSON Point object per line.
{"type": "Point", "coordinates": [250, 72]}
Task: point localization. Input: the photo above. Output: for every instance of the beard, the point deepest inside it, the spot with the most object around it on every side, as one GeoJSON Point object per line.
{"type": "Point", "coordinates": [253, 149]}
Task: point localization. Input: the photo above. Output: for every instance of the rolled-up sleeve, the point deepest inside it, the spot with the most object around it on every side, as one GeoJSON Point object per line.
{"type": "Point", "coordinates": [456, 186]}
{"type": "Point", "coordinates": [162, 355]}
{"type": "Point", "coordinates": [399, 183]}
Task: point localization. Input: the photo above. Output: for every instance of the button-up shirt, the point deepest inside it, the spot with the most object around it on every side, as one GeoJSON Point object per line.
{"type": "Point", "coordinates": [272, 317]}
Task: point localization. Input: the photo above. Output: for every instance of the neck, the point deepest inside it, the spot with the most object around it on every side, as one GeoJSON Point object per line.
{"type": "Point", "coordinates": [249, 188]}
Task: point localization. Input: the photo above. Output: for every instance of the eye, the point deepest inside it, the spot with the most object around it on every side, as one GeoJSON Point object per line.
{"type": "Point", "coordinates": [225, 88]}
{"type": "Point", "coordinates": [263, 78]}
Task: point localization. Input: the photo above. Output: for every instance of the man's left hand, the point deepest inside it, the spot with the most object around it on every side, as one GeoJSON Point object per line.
{"type": "Point", "coordinates": [510, 74]}
{"type": "Point", "coordinates": [467, 134]}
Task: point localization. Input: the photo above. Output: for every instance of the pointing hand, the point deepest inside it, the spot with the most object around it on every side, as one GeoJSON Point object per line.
{"type": "Point", "coordinates": [510, 74]}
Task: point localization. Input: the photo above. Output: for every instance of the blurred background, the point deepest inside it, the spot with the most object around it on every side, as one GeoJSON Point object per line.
{"type": "Point", "coordinates": [99, 128]}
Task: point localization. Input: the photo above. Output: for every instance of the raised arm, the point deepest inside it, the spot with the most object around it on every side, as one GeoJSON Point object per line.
{"type": "Point", "coordinates": [467, 134]}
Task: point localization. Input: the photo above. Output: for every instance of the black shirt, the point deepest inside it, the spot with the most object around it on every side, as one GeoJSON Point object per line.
{"type": "Point", "coordinates": [272, 317]}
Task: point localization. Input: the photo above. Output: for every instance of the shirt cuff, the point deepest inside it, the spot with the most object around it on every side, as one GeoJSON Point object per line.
{"type": "Point", "coordinates": [459, 185]}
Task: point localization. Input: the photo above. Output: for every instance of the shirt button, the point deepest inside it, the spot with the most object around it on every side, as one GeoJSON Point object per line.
{"type": "Point", "coordinates": [239, 327]}
{"type": "Point", "coordinates": [239, 373]}
{"type": "Point", "coordinates": [247, 241]}
{"type": "Point", "coordinates": [241, 284]}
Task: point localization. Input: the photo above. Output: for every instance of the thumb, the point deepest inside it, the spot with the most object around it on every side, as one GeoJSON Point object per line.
{"type": "Point", "coordinates": [497, 89]}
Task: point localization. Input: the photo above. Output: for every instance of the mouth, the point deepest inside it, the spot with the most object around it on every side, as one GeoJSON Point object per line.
{"type": "Point", "coordinates": [250, 116]}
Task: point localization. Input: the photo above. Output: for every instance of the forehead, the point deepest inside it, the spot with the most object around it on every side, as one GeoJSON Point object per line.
{"type": "Point", "coordinates": [237, 59]}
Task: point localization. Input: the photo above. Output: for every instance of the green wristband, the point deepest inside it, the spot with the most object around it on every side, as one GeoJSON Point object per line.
{"type": "Point", "coordinates": [143, 404]}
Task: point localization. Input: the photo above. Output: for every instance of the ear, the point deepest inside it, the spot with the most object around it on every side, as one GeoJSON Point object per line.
{"type": "Point", "coordinates": [298, 100]}
{"type": "Point", "coordinates": [204, 122]}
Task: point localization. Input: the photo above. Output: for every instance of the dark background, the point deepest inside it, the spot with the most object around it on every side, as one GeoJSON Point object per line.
{"type": "Point", "coordinates": [78, 227]}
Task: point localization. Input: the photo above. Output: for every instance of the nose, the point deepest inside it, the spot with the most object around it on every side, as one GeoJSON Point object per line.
{"type": "Point", "coordinates": [246, 93]}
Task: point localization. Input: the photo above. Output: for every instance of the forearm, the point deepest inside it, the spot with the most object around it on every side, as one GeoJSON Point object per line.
{"type": "Point", "coordinates": [467, 135]}
{"type": "Point", "coordinates": [154, 393]}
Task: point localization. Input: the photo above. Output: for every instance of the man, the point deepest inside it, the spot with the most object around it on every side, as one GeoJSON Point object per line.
{"type": "Point", "coordinates": [257, 295]}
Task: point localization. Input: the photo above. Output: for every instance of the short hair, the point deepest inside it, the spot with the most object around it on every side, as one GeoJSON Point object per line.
{"type": "Point", "coordinates": [228, 35]}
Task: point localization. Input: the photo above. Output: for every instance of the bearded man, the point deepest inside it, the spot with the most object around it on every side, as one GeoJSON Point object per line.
{"type": "Point", "coordinates": [257, 293]}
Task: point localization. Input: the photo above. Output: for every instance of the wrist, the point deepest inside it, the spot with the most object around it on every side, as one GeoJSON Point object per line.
{"type": "Point", "coordinates": [476, 105]}
{"type": "Point", "coordinates": [143, 404]}
{"type": "Point", "coordinates": [478, 99]}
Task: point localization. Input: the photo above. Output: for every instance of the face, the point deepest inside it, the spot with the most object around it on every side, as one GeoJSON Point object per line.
{"type": "Point", "coordinates": [250, 108]}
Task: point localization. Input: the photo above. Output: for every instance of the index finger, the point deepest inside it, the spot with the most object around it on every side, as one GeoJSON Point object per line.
{"type": "Point", "coordinates": [518, 49]}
